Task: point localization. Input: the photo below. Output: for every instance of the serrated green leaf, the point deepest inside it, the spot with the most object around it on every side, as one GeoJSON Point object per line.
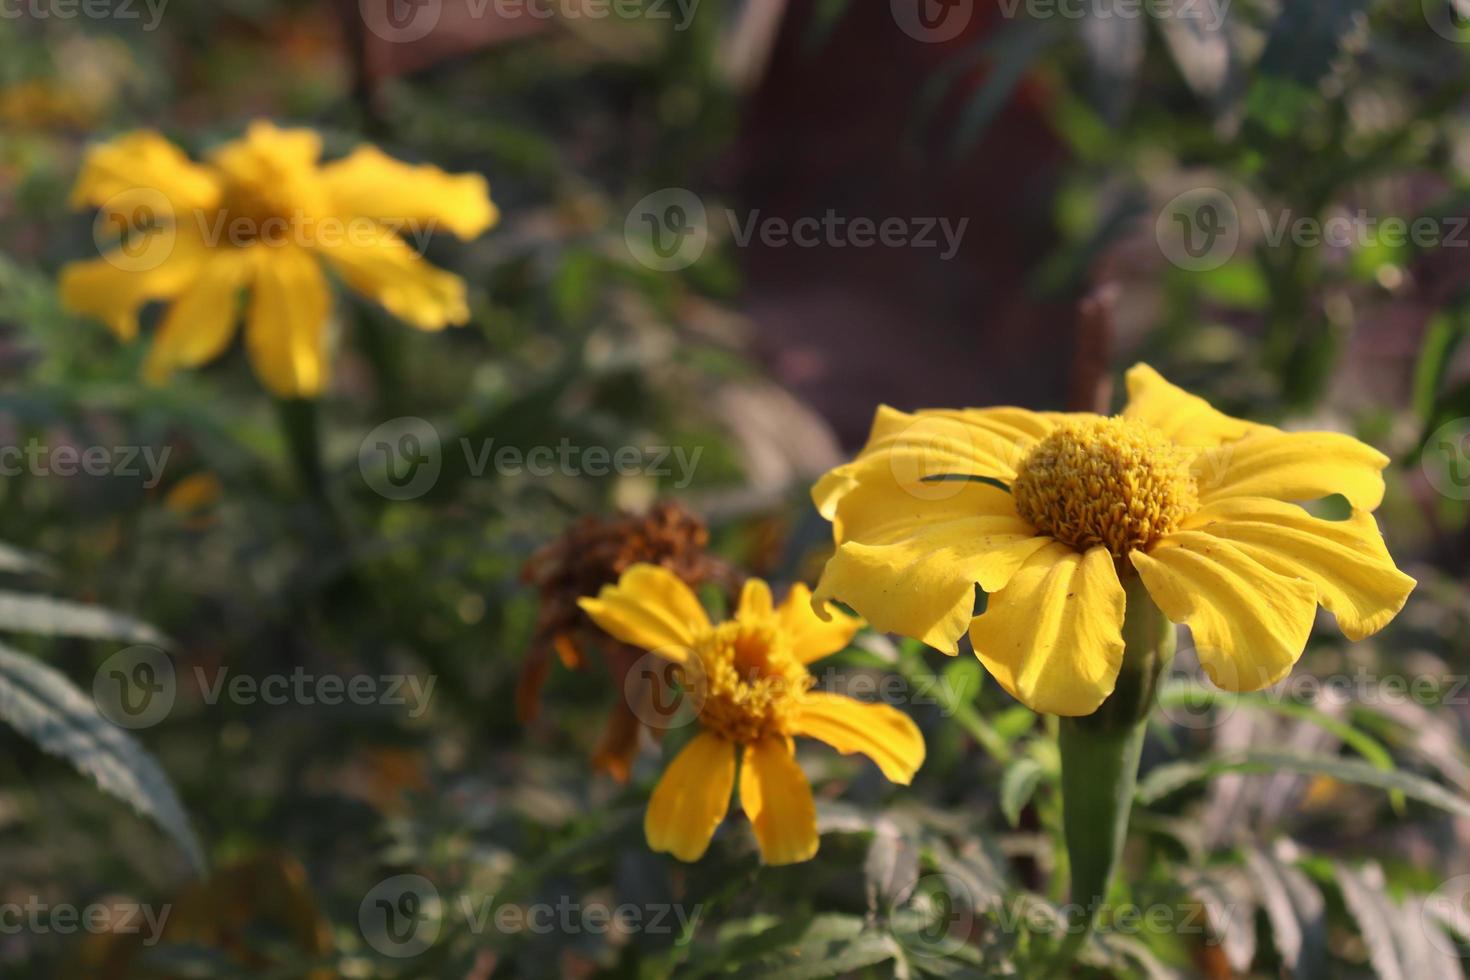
{"type": "Point", "coordinates": [1175, 776]}
{"type": "Point", "coordinates": [1017, 786]}
{"type": "Point", "coordinates": [21, 613]}
{"type": "Point", "coordinates": [41, 704]}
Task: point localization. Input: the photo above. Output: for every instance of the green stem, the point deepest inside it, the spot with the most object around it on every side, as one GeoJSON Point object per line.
{"type": "Point", "coordinates": [298, 419]}
{"type": "Point", "coordinates": [1100, 755]}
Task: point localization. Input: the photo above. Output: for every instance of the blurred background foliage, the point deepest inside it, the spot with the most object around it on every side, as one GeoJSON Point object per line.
{"type": "Point", "coordinates": [1065, 139]}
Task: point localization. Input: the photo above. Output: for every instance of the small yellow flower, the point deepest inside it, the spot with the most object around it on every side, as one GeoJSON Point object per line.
{"type": "Point", "coordinates": [750, 680]}
{"type": "Point", "coordinates": [1051, 513]}
{"type": "Point", "coordinates": [260, 217]}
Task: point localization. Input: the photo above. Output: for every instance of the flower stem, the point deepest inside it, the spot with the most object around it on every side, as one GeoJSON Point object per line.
{"type": "Point", "coordinates": [1100, 755]}
{"type": "Point", "coordinates": [298, 419]}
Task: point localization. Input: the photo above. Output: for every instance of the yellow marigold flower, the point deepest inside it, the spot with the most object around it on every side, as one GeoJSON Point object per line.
{"type": "Point", "coordinates": [750, 680]}
{"type": "Point", "coordinates": [261, 216]}
{"type": "Point", "coordinates": [1051, 513]}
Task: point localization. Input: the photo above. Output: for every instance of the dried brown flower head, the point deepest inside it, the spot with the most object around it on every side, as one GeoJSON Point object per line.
{"type": "Point", "coordinates": [591, 554]}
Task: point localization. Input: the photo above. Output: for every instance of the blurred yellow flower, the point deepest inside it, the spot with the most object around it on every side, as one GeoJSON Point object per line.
{"type": "Point", "coordinates": [1051, 514]}
{"type": "Point", "coordinates": [259, 217]}
{"type": "Point", "coordinates": [749, 679]}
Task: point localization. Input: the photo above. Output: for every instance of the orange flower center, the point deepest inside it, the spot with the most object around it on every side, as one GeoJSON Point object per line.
{"type": "Point", "coordinates": [1105, 481]}
{"type": "Point", "coordinates": [747, 679]}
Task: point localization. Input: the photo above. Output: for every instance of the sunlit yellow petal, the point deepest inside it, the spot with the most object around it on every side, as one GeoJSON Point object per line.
{"type": "Point", "coordinates": [910, 565]}
{"type": "Point", "coordinates": [200, 324]}
{"type": "Point", "coordinates": [692, 798]}
{"type": "Point", "coordinates": [383, 267]}
{"type": "Point", "coordinates": [1292, 466]}
{"type": "Point", "coordinates": [909, 452]}
{"type": "Point", "coordinates": [812, 637]}
{"type": "Point", "coordinates": [881, 732]}
{"type": "Point", "coordinates": [755, 601]}
{"type": "Point", "coordinates": [144, 162]}
{"type": "Point", "coordinates": [1249, 623]}
{"type": "Point", "coordinates": [1346, 560]}
{"type": "Point", "coordinates": [115, 288]}
{"type": "Point", "coordinates": [285, 333]}
{"type": "Point", "coordinates": [372, 184]}
{"type": "Point", "coordinates": [652, 608]}
{"type": "Point", "coordinates": [1053, 637]}
{"type": "Point", "coordinates": [778, 800]}
{"type": "Point", "coordinates": [1187, 419]}
{"type": "Point", "coordinates": [294, 148]}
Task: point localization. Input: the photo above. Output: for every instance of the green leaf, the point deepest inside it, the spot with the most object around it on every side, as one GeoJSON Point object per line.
{"type": "Point", "coordinates": [1294, 906]}
{"type": "Point", "coordinates": [831, 945]}
{"type": "Point", "coordinates": [1012, 52]}
{"type": "Point", "coordinates": [21, 613]}
{"type": "Point", "coordinates": [1017, 786]}
{"type": "Point", "coordinates": [46, 708]}
{"type": "Point", "coordinates": [1167, 779]}
{"type": "Point", "coordinates": [1194, 695]}
{"type": "Point", "coordinates": [1446, 330]}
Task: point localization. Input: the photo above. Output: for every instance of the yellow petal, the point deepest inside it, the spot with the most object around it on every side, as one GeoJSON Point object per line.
{"type": "Point", "coordinates": [1250, 624]}
{"type": "Point", "coordinates": [372, 184]}
{"type": "Point", "coordinates": [778, 800]}
{"type": "Point", "coordinates": [692, 798]}
{"type": "Point", "coordinates": [201, 322]}
{"type": "Point", "coordinates": [1346, 560]}
{"type": "Point", "coordinates": [1292, 466]}
{"type": "Point", "coordinates": [882, 733]}
{"type": "Point", "coordinates": [910, 566]}
{"type": "Point", "coordinates": [115, 288]}
{"type": "Point", "coordinates": [294, 149]}
{"type": "Point", "coordinates": [285, 334]}
{"type": "Point", "coordinates": [810, 636]}
{"type": "Point", "coordinates": [141, 166]}
{"type": "Point", "coordinates": [1053, 637]}
{"type": "Point", "coordinates": [1186, 419]}
{"type": "Point", "coordinates": [755, 601]}
{"type": "Point", "coordinates": [382, 266]}
{"type": "Point", "coordinates": [908, 452]}
{"type": "Point", "coordinates": [652, 608]}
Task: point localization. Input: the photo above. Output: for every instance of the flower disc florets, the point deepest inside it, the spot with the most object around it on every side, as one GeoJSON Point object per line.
{"type": "Point", "coordinates": [748, 679]}
{"type": "Point", "coordinates": [1105, 481]}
